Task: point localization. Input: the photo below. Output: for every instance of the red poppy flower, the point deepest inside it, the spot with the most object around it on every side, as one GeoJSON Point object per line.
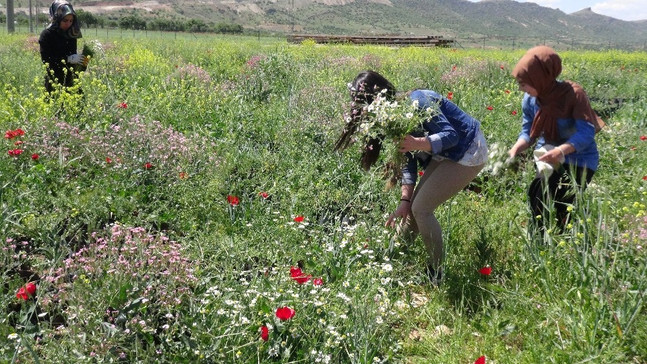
{"type": "Point", "coordinates": [15, 152]}
{"type": "Point", "coordinates": [299, 218]}
{"type": "Point", "coordinates": [148, 165]}
{"type": "Point", "coordinates": [26, 291]}
{"type": "Point", "coordinates": [10, 134]}
{"type": "Point", "coordinates": [108, 160]}
{"type": "Point", "coordinates": [450, 95]}
{"type": "Point", "coordinates": [265, 333]}
{"type": "Point", "coordinates": [122, 105]}
{"type": "Point", "coordinates": [486, 271]}
{"type": "Point", "coordinates": [643, 137]}
{"type": "Point", "coordinates": [480, 360]}
{"type": "Point", "coordinates": [31, 288]}
{"type": "Point", "coordinates": [514, 112]}
{"type": "Point", "coordinates": [421, 173]}
{"type": "Point", "coordinates": [264, 195]}
{"type": "Point", "coordinates": [233, 200]}
{"type": "Point", "coordinates": [490, 107]}
{"type": "Point", "coordinates": [644, 178]}
{"type": "Point", "coordinates": [22, 294]}
{"type": "Point", "coordinates": [507, 91]}
{"type": "Point", "coordinates": [18, 143]}
{"type": "Point", "coordinates": [297, 274]}
{"type": "Point", "coordinates": [183, 175]}
{"type": "Point", "coordinates": [285, 313]}
{"type": "Point", "coordinates": [317, 282]}
{"type": "Point", "coordinates": [35, 156]}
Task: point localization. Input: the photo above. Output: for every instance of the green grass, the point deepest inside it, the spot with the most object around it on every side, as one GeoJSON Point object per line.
{"type": "Point", "coordinates": [123, 220]}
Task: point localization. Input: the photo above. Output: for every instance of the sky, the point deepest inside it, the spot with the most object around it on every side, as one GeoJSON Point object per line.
{"type": "Point", "coordinates": [619, 9]}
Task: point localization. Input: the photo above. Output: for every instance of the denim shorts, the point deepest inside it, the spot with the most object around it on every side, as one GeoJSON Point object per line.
{"type": "Point", "coordinates": [477, 153]}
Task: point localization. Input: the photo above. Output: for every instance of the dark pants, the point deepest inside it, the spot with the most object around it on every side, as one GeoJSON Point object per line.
{"type": "Point", "coordinates": [561, 188]}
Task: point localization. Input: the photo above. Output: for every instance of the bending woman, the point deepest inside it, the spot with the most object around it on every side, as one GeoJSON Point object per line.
{"type": "Point", "coordinates": [451, 152]}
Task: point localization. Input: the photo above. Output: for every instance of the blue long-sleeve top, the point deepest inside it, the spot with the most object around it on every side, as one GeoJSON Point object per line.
{"type": "Point", "coordinates": [579, 133]}
{"type": "Point", "coordinates": [450, 131]}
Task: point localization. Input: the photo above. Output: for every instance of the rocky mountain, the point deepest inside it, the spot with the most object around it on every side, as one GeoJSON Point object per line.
{"type": "Point", "coordinates": [506, 20]}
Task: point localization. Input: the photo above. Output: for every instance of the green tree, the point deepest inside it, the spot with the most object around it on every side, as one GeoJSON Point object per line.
{"type": "Point", "coordinates": [197, 26]}
{"type": "Point", "coordinates": [134, 21]}
{"type": "Point", "coordinates": [86, 18]}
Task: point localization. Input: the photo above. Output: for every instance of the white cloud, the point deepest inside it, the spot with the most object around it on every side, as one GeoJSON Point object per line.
{"type": "Point", "coordinates": [619, 9]}
{"type": "Point", "coordinates": [626, 10]}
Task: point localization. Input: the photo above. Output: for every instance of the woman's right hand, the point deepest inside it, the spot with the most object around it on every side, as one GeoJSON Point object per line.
{"type": "Point", "coordinates": [403, 211]}
{"type": "Point", "coordinates": [518, 147]}
{"type": "Point", "coordinates": [410, 143]}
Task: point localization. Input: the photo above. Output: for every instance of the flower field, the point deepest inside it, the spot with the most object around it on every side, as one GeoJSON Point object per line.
{"type": "Point", "coordinates": [185, 205]}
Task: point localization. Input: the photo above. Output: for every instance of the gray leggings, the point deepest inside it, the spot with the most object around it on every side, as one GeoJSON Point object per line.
{"type": "Point", "coordinates": [441, 180]}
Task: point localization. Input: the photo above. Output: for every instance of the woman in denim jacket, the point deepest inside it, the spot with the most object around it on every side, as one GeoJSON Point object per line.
{"type": "Point", "coordinates": [451, 152]}
{"type": "Point", "coordinates": [556, 114]}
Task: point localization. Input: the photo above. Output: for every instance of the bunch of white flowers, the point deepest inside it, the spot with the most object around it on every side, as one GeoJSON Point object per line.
{"type": "Point", "coordinates": [388, 119]}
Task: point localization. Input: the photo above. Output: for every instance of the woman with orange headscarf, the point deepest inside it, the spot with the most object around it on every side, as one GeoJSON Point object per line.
{"type": "Point", "coordinates": [558, 117]}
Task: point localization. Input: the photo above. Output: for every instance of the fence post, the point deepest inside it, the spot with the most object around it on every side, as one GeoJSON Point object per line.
{"type": "Point", "coordinates": [11, 26]}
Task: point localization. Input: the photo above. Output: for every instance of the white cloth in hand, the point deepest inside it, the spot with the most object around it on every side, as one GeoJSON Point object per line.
{"type": "Point", "coordinates": [545, 169]}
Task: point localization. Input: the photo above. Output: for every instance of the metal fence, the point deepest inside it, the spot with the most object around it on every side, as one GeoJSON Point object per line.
{"type": "Point", "coordinates": [485, 42]}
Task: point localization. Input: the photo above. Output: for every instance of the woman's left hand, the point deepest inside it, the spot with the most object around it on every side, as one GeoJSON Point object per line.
{"type": "Point", "coordinates": [410, 143]}
{"type": "Point", "coordinates": [553, 157]}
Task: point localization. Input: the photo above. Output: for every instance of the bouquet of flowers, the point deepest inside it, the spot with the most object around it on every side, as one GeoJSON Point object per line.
{"type": "Point", "coordinates": [382, 124]}
{"type": "Point", "coordinates": [389, 121]}
{"type": "Point", "coordinates": [88, 51]}
{"type": "Point", "coordinates": [392, 119]}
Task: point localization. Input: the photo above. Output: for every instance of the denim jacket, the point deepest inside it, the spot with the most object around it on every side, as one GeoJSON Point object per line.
{"type": "Point", "coordinates": [579, 133]}
{"type": "Point", "coordinates": [450, 132]}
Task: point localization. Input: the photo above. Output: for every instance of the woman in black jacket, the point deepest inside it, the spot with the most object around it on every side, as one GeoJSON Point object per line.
{"type": "Point", "coordinates": [58, 46]}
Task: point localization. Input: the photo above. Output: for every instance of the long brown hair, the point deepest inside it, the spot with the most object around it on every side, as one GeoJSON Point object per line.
{"type": "Point", "coordinates": [363, 90]}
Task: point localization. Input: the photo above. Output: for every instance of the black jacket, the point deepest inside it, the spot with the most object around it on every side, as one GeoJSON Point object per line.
{"type": "Point", "coordinates": [55, 47]}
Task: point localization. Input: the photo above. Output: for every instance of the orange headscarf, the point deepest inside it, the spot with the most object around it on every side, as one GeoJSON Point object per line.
{"type": "Point", "coordinates": [539, 68]}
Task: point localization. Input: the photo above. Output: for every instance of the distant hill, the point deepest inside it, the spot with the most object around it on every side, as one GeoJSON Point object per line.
{"type": "Point", "coordinates": [506, 20]}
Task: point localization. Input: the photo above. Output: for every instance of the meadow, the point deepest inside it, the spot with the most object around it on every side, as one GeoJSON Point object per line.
{"type": "Point", "coordinates": [187, 206]}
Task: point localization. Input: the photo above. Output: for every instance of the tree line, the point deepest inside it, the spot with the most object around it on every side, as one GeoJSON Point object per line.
{"type": "Point", "coordinates": [135, 22]}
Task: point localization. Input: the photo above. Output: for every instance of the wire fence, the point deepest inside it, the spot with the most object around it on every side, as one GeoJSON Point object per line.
{"type": "Point", "coordinates": [118, 33]}
{"type": "Point", "coordinates": [507, 42]}
{"type": "Point", "coordinates": [485, 42]}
